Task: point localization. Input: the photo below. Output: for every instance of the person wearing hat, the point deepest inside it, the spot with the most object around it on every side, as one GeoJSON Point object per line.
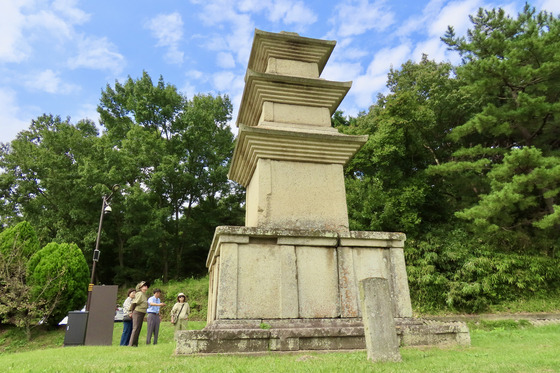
{"type": "Point", "coordinates": [180, 313]}
{"type": "Point", "coordinates": [154, 303]}
{"type": "Point", "coordinates": [138, 309]}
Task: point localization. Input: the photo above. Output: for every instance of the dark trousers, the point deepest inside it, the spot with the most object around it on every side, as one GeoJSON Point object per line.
{"type": "Point", "coordinates": [126, 332]}
{"type": "Point", "coordinates": [137, 320]}
{"type": "Point", "coordinates": [153, 327]}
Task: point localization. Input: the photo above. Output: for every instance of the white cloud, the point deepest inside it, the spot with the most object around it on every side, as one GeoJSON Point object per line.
{"type": "Point", "coordinates": [357, 17]}
{"type": "Point", "coordinates": [188, 89]}
{"type": "Point", "coordinates": [168, 30]}
{"type": "Point", "coordinates": [417, 23]}
{"type": "Point", "coordinates": [50, 82]}
{"type": "Point", "coordinates": [57, 20]}
{"type": "Point", "coordinates": [435, 49]}
{"type": "Point", "coordinates": [254, 6]}
{"type": "Point", "coordinates": [237, 40]}
{"type": "Point", "coordinates": [389, 57]}
{"type": "Point", "coordinates": [234, 24]}
{"type": "Point", "coordinates": [97, 54]}
{"type": "Point", "coordinates": [195, 74]}
{"type": "Point", "coordinates": [225, 60]}
{"type": "Point", "coordinates": [233, 29]}
{"type": "Point", "coordinates": [550, 6]}
{"type": "Point", "coordinates": [24, 23]}
{"type": "Point", "coordinates": [68, 9]}
{"type": "Point", "coordinates": [455, 14]}
{"type": "Point", "coordinates": [87, 111]}
{"type": "Point", "coordinates": [51, 23]}
{"type": "Point", "coordinates": [341, 71]}
{"type": "Point", "coordinates": [374, 80]}
{"type": "Point", "coordinates": [12, 46]}
{"type": "Point", "coordinates": [291, 13]}
{"type": "Point", "coordinates": [231, 84]}
{"type": "Point", "coordinates": [223, 80]}
{"type": "Point", "coordinates": [216, 12]}
{"type": "Point", "coordinates": [365, 87]}
{"type": "Point", "coordinates": [10, 113]}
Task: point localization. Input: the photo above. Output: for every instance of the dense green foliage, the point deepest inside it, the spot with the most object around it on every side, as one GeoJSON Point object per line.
{"type": "Point", "coordinates": [39, 285]}
{"type": "Point", "coordinates": [46, 179]}
{"type": "Point", "coordinates": [511, 71]}
{"type": "Point", "coordinates": [387, 184]}
{"type": "Point", "coordinates": [58, 274]}
{"type": "Point", "coordinates": [447, 269]}
{"type": "Point", "coordinates": [169, 156]}
{"type": "Point", "coordinates": [21, 235]}
{"type": "Point", "coordinates": [466, 160]}
{"type": "Point", "coordinates": [17, 245]}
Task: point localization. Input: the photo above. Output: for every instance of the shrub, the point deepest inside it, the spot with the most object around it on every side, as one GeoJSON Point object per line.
{"type": "Point", "coordinates": [58, 274]}
{"type": "Point", "coordinates": [17, 244]}
{"type": "Point", "coordinates": [448, 269]}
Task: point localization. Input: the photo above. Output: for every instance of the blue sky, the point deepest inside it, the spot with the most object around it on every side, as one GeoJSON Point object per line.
{"type": "Point", "coordinates": [57, 56]}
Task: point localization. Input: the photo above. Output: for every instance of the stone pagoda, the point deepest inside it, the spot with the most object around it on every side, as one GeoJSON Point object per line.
{"type": "Point", "coordinates": [288, 280]}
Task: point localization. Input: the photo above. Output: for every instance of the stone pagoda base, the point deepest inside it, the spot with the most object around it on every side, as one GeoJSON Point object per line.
{"type": "Point", "coordinates": [320, 335]}
{"type": "Point", "coordinates": [294, 290]}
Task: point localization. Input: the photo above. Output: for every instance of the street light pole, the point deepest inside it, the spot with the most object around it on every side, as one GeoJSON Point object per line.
{"type": "Point", "coordinates": [104, 208]}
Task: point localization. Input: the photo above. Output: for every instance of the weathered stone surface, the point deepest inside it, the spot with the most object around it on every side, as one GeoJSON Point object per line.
{"type": "Point", "coordinates": [281, 273]}
{"type": "Point", "coordinates": [278, 196]}
{"type": "Point", "coordinates": [266, 285]}
{"type": "Point", "coordinates": [283, 66]}
{"type": "Point", "coordinates": [372, 239]}
{"type": "Point", "coordinates": [356, 264]}
{"type": "Point", "coordinates": [289, 143]}
{"type": "Point", "coordinates": [379, 324]}
{"type": "Point", "coordinates": [399, 283]}
{"type": "Point", "coordinates": [282, 114]}
{"type": "Point", "coordinates": [289, 90]}
{"type": "Point", "coordinates": [246, 336]}
{"type": "Point", "coordinates": [427, 333]}
{"type": "Point", "coordinates": [288, 46]}
{"type": "Point", "coordinates": [317, 278]}
{"type": "Point", "coordinates": [227, 300]}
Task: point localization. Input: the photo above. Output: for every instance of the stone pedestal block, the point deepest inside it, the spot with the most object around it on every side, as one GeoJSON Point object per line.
{"type": "Point", "coordinates": [292, 335]}
{"type": "Point", "coordinates": [301, 274]}
{"type": "Point", "coordinates": [279, 196]}
{"type": "Point", "coordinates": [379, 324]}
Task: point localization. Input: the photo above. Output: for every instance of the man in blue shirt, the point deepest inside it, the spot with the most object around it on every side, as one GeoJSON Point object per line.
{"type": "Point", "coordinates": [154, 319]}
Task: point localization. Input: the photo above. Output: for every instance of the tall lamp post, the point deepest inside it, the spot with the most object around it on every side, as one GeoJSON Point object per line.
{"type": "Point", "coordinates": [105, 208]}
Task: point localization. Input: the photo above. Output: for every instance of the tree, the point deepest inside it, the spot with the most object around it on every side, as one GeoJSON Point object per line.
{"type": "Point", "coordinates": [387, 186]}
{"type": "Point", "coordinates": [173, 156]}
{"type": "Point", "coordinates": [49, 176]}
{"type": "Point", "coordinates": [17, 245]}
{"type": "Point", "coordinates": [168, 154]}
{"type": "Point", "coordinates": [38, 285]}
{"type": "Point", "coordinates": [57, 276]}
{"type": "Point", "coordinates": [510, 70]}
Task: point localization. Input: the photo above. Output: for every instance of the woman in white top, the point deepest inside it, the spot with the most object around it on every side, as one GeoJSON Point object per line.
{"type": "Point", "coordinates": [127, 320]}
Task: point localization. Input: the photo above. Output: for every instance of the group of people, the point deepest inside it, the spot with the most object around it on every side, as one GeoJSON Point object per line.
{"type": "Point", "coordinates": [137, 305]}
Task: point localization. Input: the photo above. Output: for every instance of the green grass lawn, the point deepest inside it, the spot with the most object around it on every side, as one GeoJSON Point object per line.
{"type": "Point", "coordinates": [498, 347]}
